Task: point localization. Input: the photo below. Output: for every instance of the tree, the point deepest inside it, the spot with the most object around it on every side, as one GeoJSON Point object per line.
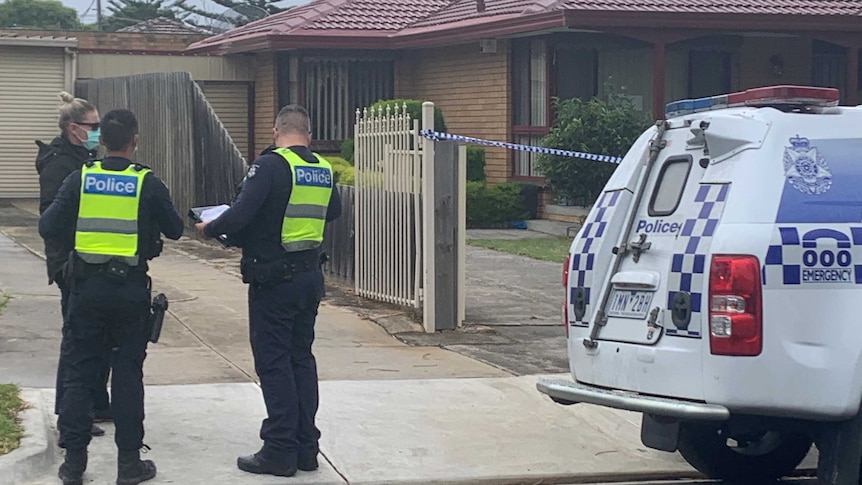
{"type": "Point", "coordinates": [125, 13]}
{"type": "Point", "coordinates": [208, 17]}
{"type": "Point", "coordinates": [38, 14]}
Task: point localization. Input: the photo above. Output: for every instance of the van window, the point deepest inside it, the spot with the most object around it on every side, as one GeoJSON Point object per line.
{"type": "Point", "coordinates": [670, 186]}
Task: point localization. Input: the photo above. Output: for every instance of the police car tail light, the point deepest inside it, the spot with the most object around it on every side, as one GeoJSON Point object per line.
{"type": "Point", "coordinates": [566, 286]}
{"type": "Point", "coordinates": [735, 322]}
{"type": "Point", "coordinates": [775, 96]}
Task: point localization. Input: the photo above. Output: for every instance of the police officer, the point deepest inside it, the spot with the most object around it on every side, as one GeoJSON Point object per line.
{"type": "Point", "coordinates": [78, 141]}
{"type": "Point", "coordinates": [116, 211]}
{"type": "Point", "coordinates": [278, 221]}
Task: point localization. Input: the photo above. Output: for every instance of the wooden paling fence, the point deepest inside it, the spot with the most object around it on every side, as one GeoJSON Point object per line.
{"type": "Point", "coordinates": [181, 138]}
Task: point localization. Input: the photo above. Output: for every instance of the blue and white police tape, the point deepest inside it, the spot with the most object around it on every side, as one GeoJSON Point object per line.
{"type": "Point", "coordinates": [436, 135]}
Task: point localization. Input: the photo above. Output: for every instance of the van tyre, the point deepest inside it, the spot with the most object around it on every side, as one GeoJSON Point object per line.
{"type": "Point", "coordinates": [772, 455]}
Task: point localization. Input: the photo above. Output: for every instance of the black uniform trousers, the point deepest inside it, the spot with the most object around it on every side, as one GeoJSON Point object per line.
{"type": "Point", "coordinates": [281, 329]}
{"type": "Point", "coordinates": [105, 314]}
{"type": "Point", "coordinates": [102, 401]}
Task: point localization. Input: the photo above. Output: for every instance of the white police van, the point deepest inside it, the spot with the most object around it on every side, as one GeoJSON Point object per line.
{"type": "Point", "coordinates": [716, 284]}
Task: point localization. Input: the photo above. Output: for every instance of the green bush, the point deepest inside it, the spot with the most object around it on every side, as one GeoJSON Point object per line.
{"type": "Point", "coordinates": [490, 206]}
{"type": "Point", "coordinates": [595, 126]}
{"type": "Point", "coordinates": [475, 164]}
{"type": "Point", "coordinates": [347, 148]}
{"type": "Point", "coordinates": [342, 170]}
{"type": "Point", "coordinates": [414, 109]}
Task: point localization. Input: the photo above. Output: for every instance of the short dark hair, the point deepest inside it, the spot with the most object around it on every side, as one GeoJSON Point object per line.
{"type": "Point", "coordinates": [118, 128]}
{"type": "Point", "coordinates": [293, 118]}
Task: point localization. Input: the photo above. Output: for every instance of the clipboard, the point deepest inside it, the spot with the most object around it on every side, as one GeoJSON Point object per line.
{"type": "Point", "coordinates": [209, 213]}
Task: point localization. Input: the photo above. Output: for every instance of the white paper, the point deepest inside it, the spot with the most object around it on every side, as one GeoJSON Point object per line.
{"type": "Point", "coordinates": [213, 213]}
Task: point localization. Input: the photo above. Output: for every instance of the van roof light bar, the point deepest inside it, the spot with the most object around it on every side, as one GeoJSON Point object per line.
{"type": "Point", "coordinates": [768, 96]}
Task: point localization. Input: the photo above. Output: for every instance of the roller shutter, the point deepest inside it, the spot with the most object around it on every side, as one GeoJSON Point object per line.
{"type": "Point", "coordinates": [30, 80]}
{"type": "Point", "coordinates": [230, 101]}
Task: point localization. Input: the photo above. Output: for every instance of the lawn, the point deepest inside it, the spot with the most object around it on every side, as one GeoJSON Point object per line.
{"type": "Point", "coordinates": [10, 430]}
{"type": "Point", "coordinates": [552, 249]}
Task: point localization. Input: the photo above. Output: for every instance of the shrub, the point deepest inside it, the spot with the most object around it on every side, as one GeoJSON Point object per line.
{"type": "Point", "coordinates": [489, 206]}
{"type": "Point", "coordinates": [475, 164]}
{"type": "Point", "coordinates": [594, 126]}
{"type": "Point", "coordinates": [347, 149]}
{"type": "Point", "coordinates": [342, 170]}
{"type": "Point", "coordinates": [414, 109]}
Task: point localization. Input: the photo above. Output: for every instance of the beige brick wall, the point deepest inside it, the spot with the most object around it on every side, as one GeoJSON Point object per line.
{"type": "Point", "coordinates": [471, 88]}
{"type": "Point", "coordinates": [265, 99]}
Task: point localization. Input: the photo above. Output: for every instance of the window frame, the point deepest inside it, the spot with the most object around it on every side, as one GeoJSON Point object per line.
{"type": "Point", "coordinates": [530, 130]}
{"type": "Point", "coordinates": [667, 163]}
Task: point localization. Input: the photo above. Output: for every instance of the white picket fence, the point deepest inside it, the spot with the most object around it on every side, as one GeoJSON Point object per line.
{"type": "Point", "coordinates": [388, 181]}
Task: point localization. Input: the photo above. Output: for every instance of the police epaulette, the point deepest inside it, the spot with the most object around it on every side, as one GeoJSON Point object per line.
{"type": "Point", "coordinates": [138, 167]}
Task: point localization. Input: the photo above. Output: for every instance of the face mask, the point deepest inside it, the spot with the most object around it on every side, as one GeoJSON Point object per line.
{"type": "Point", "coordinates": [92, 141]}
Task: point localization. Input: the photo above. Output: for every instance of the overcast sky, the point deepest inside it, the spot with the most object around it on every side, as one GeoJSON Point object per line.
{"type": "Point", "coordinates": [87, 8]}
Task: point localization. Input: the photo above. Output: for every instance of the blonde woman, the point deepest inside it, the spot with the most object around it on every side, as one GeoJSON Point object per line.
{"type": "Point", "coordinates": [77, 142]}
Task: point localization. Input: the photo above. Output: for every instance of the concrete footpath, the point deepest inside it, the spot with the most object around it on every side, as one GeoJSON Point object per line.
{"type": "Point", "coordinates": [390, 412]}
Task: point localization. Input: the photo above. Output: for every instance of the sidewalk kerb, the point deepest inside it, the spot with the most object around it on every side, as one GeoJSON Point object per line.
{"type": "Point", "coordinates": [36, 452]}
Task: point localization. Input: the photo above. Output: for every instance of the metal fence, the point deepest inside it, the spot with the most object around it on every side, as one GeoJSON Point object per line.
{"type": "Point", "coordinates": [181, 138]}
{"type": "Point", "coordinates": [388, 164]}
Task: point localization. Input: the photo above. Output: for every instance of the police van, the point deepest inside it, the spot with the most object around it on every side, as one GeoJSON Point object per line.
{"type": "Point", "coordinates": [716, 283]}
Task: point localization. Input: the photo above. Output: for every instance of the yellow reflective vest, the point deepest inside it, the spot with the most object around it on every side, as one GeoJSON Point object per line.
{"type": "Point", "coordinates": [107, 225]}
{"type": "Point", "coordinates": [305, 215]}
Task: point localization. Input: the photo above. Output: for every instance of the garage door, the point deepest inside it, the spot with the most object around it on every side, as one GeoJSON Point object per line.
{"type": "Point", "coordinates": [231, 104]}
{"type": "Point", "coordinates": [31, 78]}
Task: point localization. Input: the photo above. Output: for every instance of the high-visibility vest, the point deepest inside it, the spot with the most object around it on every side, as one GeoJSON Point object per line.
{"type": "Point", "coordinates": [305, 215]}
{"type": "Point", "coordinates": [107, 225]}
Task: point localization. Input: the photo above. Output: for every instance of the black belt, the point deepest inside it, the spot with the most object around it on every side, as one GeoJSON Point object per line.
{"type": "Point", "coordinates": [270, 273]}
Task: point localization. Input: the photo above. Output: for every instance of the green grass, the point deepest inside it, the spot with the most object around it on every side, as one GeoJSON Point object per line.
{"type": "Point", "coordinates": [552, 249]}
{"type": "Point", "coordinates": [4, 299]}
{"type": "Point", "coordinates": [10, 430]}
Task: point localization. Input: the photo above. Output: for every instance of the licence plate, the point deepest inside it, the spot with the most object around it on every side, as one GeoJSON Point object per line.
{"type": "Point", "coordinates": [630, 304]}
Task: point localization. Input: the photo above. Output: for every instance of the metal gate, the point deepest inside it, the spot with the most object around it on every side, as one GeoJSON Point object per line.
{"type": "Point", "coordinates": [388, 164]}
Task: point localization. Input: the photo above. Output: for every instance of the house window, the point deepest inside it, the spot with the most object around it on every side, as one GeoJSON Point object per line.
{"type": "Point", "coordinates": [576, 73]}
{"type": "Point", "coordinates": [709, 73]}
{"type": "Point", "coordinates": [335, 88]}
{"type": "Point", "coordinates": [530, 101]}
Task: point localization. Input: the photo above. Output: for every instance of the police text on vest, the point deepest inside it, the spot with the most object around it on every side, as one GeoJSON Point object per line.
{"type": "Point", "coordinates": [313, 177]}
{"type": "Point", "coordinates": [104, 184]}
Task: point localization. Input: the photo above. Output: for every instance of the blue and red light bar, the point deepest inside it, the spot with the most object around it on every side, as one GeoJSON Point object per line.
{"type": "Point", "coordinates": [769, 96]}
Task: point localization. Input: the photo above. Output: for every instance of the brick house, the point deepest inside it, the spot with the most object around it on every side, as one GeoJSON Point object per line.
{"type": "Point", "coordinates": [494, 65]}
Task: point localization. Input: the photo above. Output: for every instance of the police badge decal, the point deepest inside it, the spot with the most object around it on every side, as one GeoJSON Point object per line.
{"type": "Point", "coordinates": [805, 169]}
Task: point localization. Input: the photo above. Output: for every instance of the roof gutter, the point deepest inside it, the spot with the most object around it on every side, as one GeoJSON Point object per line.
{"type": "Point", "coordinates": [38, 41]}
{"type": "Point", "coordinates": [713, 21]}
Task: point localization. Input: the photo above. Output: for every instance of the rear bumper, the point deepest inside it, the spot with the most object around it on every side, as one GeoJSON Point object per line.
{"type": "Point", "coordinates": [629, 401]}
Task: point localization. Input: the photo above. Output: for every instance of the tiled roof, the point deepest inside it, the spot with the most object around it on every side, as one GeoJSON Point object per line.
{"type": "Point", "coordinates": [163, 25]}
{"type": "Point", "coordinates": [391, 15]}
{"type": "Point", "coordinates": [399, 21]}
{"type": "Point", "coordinates": [769, 7]}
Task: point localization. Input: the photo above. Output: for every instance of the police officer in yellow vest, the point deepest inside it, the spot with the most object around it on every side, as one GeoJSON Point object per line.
{"type": "Point", "coordinates": [278, 220]}
{"type": "Point", "coordinates": [116, 211]}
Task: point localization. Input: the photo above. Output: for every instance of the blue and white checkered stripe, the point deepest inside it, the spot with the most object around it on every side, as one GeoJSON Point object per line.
{"type": "Point", "coordinates": [783, 264]}
{"type": "Point", "coordinates": [589, 241]}
{"type": "Point", "coordinates": [688, 264]}
{"type": "Point", "coordinates": [435, 135]}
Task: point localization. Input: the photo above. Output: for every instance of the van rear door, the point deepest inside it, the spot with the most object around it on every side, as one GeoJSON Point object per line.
{"type": "Point", "coordinates": [656, 287]}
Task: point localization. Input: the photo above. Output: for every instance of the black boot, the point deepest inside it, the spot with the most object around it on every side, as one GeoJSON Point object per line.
{"type": "Point", "coordinates": [131, 470]}
{"type": "Point", "coordinates": [72, 469]}
{"type": "Point", "coordinates": [307, 463]}
{"type": "Point", "coordinates": [257, 464]}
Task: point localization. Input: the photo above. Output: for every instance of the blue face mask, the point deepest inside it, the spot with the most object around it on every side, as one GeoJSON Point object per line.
{"type": "Point", "coordinates": [92, 141]}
